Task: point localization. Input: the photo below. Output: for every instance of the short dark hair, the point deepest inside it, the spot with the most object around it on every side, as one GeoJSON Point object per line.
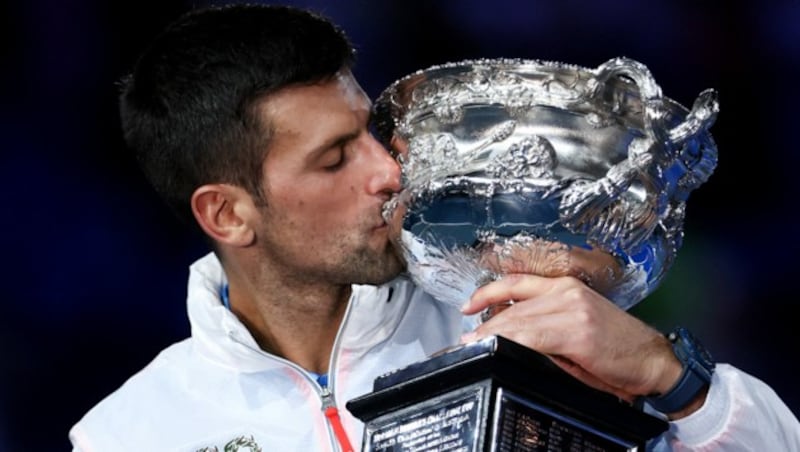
{"type": "Point", "coordinates": [188, 109]}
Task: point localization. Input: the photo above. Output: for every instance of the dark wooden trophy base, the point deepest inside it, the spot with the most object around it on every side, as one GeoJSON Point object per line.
{"type": "Point", "coordinates": [495, 395]}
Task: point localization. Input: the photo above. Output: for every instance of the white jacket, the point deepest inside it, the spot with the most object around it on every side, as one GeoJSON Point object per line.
{"type": "Point", "coordinates": [218, 391]}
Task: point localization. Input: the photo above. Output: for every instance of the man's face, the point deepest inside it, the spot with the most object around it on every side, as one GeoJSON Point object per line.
{"type": "Point", "coordinates": [325, 181]}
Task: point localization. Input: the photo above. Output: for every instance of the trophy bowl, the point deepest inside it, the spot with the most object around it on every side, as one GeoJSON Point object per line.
{"type": "Point", "coordinates": [513, 165]}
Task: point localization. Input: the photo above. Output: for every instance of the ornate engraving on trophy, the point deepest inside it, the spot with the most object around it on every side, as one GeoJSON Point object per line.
{"type": "Point", "coordinates": [595, 159]}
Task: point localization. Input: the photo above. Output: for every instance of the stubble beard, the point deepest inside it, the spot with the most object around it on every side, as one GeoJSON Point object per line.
{"type": "Point", "coordinates": [349, 264]}
{"type": "Point", "coordinates": [355, 262]}
{"type": "Point", "coordinates": [367, 266]}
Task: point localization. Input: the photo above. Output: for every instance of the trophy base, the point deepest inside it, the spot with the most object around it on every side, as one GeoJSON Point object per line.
{"type": "Point", "coordinates": [495, 395]}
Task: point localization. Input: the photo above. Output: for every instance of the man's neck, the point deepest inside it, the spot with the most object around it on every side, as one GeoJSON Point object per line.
{"type": "Point", "coordinates": [300, 326]}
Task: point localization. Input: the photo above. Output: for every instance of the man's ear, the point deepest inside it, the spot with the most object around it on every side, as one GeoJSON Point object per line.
{"type": "Point", "coordinates": [225, 213]}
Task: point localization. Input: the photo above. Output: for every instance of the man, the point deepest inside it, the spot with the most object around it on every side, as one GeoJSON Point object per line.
{"type": "Point", "coordinates": [249, 123]}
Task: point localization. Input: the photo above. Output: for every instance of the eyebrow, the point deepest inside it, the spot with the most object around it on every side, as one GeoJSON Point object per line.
{"type": "Point", "coordinates": [344, 139]}
{"type": "Point", "coordinates": [339, 140]}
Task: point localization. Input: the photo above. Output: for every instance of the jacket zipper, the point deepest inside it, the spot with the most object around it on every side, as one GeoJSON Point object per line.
{"type": "Point", "coordinates": [325, 392]}
{"type": "Point", "coordinates": [329, 408]}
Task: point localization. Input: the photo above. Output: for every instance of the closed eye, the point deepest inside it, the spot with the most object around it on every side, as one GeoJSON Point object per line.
{"type": "Point", "coordinates": [334, 159]}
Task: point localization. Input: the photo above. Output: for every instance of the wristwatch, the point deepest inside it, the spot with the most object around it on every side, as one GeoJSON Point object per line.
{"type": "Point", "coordinates": [698, 366]}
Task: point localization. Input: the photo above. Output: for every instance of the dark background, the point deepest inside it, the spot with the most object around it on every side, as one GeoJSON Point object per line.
{"type": "Point", "coordinates": [95, 267]}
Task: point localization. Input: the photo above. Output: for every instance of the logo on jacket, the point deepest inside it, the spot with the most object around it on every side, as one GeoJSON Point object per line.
{"type": "Point", "coordinates": [238, 444]}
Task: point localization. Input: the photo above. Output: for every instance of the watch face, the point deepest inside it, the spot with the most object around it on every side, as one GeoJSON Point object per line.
{"type": "Point", "coordinates": [689, 345]}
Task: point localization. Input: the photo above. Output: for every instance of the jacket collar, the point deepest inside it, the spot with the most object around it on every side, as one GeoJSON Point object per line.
{"type": "Point", "coordinates": [372, 315]}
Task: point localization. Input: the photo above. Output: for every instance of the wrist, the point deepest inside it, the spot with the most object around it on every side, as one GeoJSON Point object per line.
{"type": "Point", "coordinates": [668, 370]}
{"type": "Point", "coordinates": [687, 393]}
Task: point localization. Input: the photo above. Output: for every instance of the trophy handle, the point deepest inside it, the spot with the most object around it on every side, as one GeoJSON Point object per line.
{"type": "Point", "coordinates": [649, 92]}
{"type": "Point", "coordinates": [683, 143]}
{"type": "Point", "coordinates": [680, 151]}
{"type": "Point", "coordinates": [699, 119]}
{"type": "Point", "coordinates": [594, 208]}
{"type": "Point", "coordinates": [699, 158]}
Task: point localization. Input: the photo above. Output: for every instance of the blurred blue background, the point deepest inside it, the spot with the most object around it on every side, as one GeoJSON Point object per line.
{"type": "Point", "coordinates": [96, 267]}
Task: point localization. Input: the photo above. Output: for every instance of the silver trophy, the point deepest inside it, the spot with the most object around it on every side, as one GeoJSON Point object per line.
{"type": "Point", "coordinates": [531, 166]}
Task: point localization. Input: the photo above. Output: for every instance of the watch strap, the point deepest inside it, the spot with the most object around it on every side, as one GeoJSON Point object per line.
{"type": "Point", "coordinates": [696, 375]}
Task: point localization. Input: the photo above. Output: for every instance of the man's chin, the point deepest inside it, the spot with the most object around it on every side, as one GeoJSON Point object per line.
{"type": "Point", "coordinates": [388, 269]}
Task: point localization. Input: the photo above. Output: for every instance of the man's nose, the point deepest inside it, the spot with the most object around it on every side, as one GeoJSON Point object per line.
{"type": "Point", "coordinates": [387, 172]}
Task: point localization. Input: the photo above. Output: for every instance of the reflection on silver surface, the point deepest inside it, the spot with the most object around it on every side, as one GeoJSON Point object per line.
{"type": "Point", "coordinates": [521, 165]}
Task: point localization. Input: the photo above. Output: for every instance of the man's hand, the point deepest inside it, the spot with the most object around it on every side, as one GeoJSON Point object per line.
{"type": "Point", "coordinates": [583, 332]}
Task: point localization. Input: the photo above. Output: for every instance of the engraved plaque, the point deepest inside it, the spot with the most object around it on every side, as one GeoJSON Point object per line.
{"type": "Point", "coordinates": [522, 426]}
{"type": "Point", "coordinates": [450, 422]}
